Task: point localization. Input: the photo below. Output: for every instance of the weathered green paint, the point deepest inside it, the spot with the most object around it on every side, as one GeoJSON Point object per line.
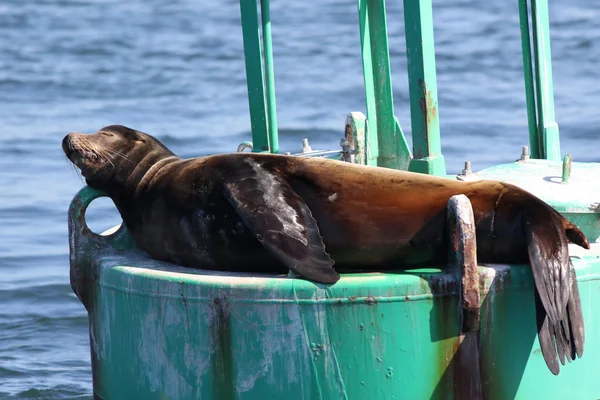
{"type": "Point", "coordinates": [159, 331]}
{"type": "Point", "coordinates": [254, 76]}
{"type": "Point", "coordinates": [356, 124]}
{"type": "Point", "coordinates": [422, 85]}
{"type": "Point", "coordinates": [386, 144]}
{"type": "Point", "coordinates": [576, 199]}
{"type": "Point", "coordinates": [265, 13]}
{"type": "Point", "coordinates": [534, 137]}
{"type": "Point", "coordinates": [547, 126]}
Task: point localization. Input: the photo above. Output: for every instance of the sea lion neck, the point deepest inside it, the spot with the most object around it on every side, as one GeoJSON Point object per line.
{"type": "Point", "coordinates": [145, 170]}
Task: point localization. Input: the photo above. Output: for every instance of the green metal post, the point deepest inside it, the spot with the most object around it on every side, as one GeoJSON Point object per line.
{"type": "Point", "coordinates": [254, 75]}
{"type": "Point", "coordinates": [534, 139]}
{"type": "Point", "coordinates": [270, 76]}
{"type": "Point", "coordinates": [418, 22]}
{"type": "Point", "coordinates": [386, 144]}
{"type": "Point", "coordinates": [547, 126]}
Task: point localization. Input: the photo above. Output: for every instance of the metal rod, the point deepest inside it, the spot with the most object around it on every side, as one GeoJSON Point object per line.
{"type": "Point", "coordinates": [547, 126]}
{"type": "Point", "coordinates": [534, 138]}
{"type": "Point", "coordinates": [386, 144]}
{"type": "Point", "coordinates": [270, 77]}
{"type": "Point", "coordinates": [365, 43]}
{"type": "Point", "coordinates": [254, 75]}
{"type": "Point", "coordinates": [422, 85]}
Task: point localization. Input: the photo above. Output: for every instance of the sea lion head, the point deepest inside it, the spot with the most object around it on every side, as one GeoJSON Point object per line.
{"type": "Point", "coordinates": [112, 154]}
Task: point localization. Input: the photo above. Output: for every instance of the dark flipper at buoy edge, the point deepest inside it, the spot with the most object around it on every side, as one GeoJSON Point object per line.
{"type": "Point", "coordinates": [281, 221]}
{"type": "Point", "coordinates": [557, 302]}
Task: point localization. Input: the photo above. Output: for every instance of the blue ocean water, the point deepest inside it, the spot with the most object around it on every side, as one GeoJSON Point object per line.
{"type": "Point", "coordinates": [175, 69]}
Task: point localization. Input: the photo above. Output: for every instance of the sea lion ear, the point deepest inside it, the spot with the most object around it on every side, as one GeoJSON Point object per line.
{"type": "Point", "coordinates": [281, 221]}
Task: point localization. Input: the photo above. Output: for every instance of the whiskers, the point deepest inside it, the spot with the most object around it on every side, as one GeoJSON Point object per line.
{"type": "Point", "coordinates": [75, 170]}
{"type": "Point", "coordinates": [115, 153]}
{"type": "Point", "coordinates": [92, 151]}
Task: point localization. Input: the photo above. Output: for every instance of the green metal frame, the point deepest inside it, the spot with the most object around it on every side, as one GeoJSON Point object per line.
{"type": "Point", "coordinates": [422, 84]}
{"type": "Point", "coordinates": [539, 90]}
{"type": "Point", "coordinates": [261, 94]}
{"type": "Point", "coordinates": [385, 143]}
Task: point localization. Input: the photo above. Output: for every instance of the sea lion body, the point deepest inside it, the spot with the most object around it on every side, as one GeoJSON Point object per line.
{"type": "Point", "coordinates": [262, 212]}
{"type": "Point", "coordinates": [369, 218]}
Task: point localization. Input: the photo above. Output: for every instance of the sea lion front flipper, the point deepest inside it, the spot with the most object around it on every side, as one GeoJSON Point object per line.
{"type": "Point", "coordinates": [281, 221]}
{"type": "Point", "coordinates": [549, 259]}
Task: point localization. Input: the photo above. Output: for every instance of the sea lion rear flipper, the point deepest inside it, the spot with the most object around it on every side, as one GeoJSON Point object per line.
{"type": "Point", "coordinates": [546, 337]}
{"type": "Point", "coordinates": [567, 337]}
{"type": "Point", "coordinates": [558, 305]}
{"type": "Point", "coordinates": [549, 258]}
{"type": "Point", "coordinates": [281, 221]}
{"type": "Point", "coordinates": [575, 315]}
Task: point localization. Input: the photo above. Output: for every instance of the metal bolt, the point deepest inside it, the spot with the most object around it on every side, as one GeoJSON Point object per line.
{"type": "Point", "coordinates": [305, 146]}
{"type": "Point", "coordinates": [566, 168]}
{"type": "Point", "coordinates": [525, 153]}
{"type": "Point", "coordinates": [348, 154]}
{"type": "Point", "coordinates": [467, 170]}
{"type": "Point", "coordinates": [345, 144]}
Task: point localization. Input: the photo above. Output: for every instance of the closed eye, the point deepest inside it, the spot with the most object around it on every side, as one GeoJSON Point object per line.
{"type": "Point", "coordinates": [107, 133]}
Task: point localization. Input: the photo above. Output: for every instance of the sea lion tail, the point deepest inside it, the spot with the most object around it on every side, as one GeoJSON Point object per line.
{"type": "Point", "coordinates": [575, 235]}
{"type": "Point", "coordinates": [558, 305]}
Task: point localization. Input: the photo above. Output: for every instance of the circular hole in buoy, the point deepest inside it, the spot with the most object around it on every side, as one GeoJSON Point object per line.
{"type": "Point", "coordinates": [102, 215]}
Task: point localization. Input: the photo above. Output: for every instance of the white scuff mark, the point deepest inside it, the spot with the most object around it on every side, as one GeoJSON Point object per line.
{"type": "Point", "coordinates": [493, 275]}
{"type": "Point", "coordinates": [106, 313]}
{"type": "Point", "coordinates": [155, 361]}
{"type": "Point", "coordinates": [94, 342]}
{"type": "Point", "coordinates": [279, 332]}
{"type": "Point", "coordinates": [197, 357]}
{"type": "Point", "coordinates": [333, 197]}
{"type": "Point", "coordinates": [318, 345]}
{"type": "Point", "coordinates": [172, 315]}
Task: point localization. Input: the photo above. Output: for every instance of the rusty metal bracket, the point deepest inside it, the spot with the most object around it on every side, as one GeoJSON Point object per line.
{"type": "Point", "coordinates": [463, 255]}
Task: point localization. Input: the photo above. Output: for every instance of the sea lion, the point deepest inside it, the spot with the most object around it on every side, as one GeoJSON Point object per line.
{"type": "Point", "coordinates": [264, 212]}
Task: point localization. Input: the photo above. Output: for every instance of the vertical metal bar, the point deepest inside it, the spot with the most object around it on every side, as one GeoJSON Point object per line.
{"type": "Point", "coordinates": [386, 144]}
{"type": "Point", "coordinates": [534, 138]}
{"type": "Point", "coordinates": [422, 85]}
{"type": "Point", "coordinates": [270, 76]}
{"type": "Point", "coordinates": [547, 126]}
{"type": "Point", "coordinates": [372, 151]}
{"type": "Point", "coordinates": [254, 75]}
{"type": "Point", "coordinates": [463, 257]}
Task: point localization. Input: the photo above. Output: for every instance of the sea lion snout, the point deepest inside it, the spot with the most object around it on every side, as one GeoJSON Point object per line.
{"type": "Point", "coordinates": [89, 153]}
{"type": "Point", "coordinates": [67, 143]}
